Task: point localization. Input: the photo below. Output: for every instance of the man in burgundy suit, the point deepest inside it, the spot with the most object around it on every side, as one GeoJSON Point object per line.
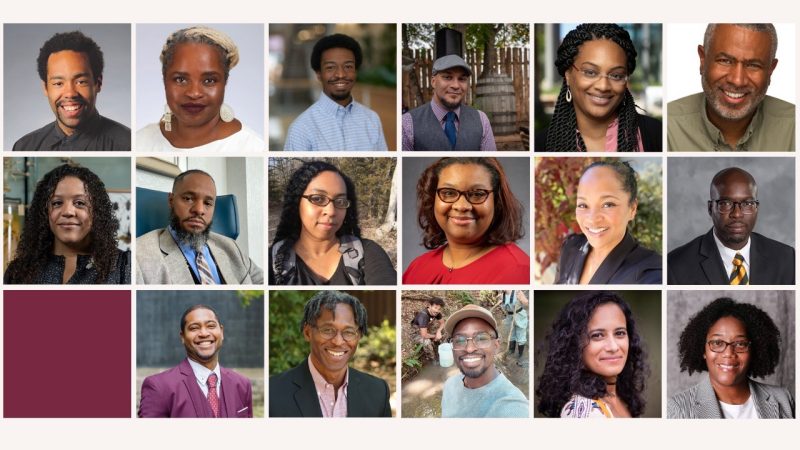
{"type": "Point", "coordinates": [198, 386]}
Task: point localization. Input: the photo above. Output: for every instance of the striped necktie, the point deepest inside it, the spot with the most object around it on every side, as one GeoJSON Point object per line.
{"type": "Point", "coordinates": [739, 273]}
{"type": "Point", "coordinates": [213, 398]}
{"type": "Point", "coordinates": [204, 270]}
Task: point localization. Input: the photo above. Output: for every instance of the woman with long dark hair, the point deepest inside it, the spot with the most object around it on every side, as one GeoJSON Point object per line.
{"type": "Point", "coordinates": [596, 365]}
{"type": "Point", "coordinates": [594, 110]}
{"type": "Point", "coordinates": [318, 240]}
{"type": "Point", "coordinates": [70, 234]}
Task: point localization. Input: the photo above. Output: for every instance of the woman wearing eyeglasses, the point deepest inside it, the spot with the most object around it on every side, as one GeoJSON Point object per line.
{"type": "Point", "coordinates": [734, 342]}
{"type": "Point", "coordinates": [470, 220]}
{"type": "Point", "coordinates": [605, 252]}
{"type": "Point", "coordinates": [595, 110]}
{"type": "Point", "coordinates": [596, 365]}
{"type": "Point", "coordinates": [318, 240]}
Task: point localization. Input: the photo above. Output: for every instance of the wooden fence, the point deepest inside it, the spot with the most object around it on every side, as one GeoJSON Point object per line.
{"type": "Point", "coordinates": [513, 62]}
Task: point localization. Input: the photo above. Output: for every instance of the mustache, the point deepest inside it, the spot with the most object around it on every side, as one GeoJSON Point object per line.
{"type": "Point", "coordinates": [77, 98]}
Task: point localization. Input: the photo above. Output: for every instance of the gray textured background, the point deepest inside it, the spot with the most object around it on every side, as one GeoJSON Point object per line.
{"type": "Point", "coordinates": [244, 91]}
{"type": "Point", "coordinates": [646, 309]}
{"type": "Point", "coordinates": [25, 106]}
{"type": "Point", "coordinates": [158, 317]}
{"type": "Point", "coordinates": [517, 171]}
{"type": "Point", "coordinates": [682, 305]}
{"type": "Point", "coordinates": [688, 194]}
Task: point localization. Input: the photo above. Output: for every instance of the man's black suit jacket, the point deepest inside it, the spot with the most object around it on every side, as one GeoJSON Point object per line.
{"type": "Point", "coordinates": [699, 262]}
{"type": "Point", "coordinates": [293, 394]}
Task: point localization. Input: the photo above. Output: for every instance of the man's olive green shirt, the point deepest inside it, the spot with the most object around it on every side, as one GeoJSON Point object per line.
{"type": "Point", "coordinates": [770, 130]}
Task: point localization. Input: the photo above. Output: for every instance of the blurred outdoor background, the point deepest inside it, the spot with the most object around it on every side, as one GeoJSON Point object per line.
{"type": "Point", "coordinates": [293, 85]}
{"type": "Point", "coordinates": [499, 56]}
{"type": "Point", "coordinates": [556, 191]}
{"type": "Point", "coordinates": [376, 351]}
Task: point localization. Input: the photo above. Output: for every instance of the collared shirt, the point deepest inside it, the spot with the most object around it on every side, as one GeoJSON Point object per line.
{"type": "Point", "coordinates": [333, 403]}
{"type": "Point", "coordinates": [201, 374]}
{"type": "Point", "coordinates": [487, 141]}
{"type": "Point", "coordinates": [327, 125]}
{"type": "Point", "coordinates": [689, 129]}
{"type": "Point", "coordinates": [727, 255]}
{"type": "Point", "coordinates": [191, 257]}
{"type": "Point", "coordinates": [98, 134]}
{"type": "Point", "coordinates": [612, 137]}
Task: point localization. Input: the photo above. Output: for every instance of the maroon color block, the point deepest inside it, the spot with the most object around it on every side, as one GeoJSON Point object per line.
{"type": "Point", "coordinates": [67, 353]}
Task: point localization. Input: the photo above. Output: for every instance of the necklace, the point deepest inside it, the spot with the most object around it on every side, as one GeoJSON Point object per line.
{"type": "Point", "coordinates": [453, 264]}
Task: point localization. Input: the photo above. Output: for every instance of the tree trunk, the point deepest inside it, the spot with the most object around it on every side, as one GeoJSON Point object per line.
{"type": "Point", "coordinates": [390, 221]}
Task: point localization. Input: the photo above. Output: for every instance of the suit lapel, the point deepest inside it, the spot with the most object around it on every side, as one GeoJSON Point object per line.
{"type": "Point", "coordinates": [706, 404]}
{"type": "Point", "coordinates": [230, 395]}
{"type": "Point", "coordinates": [199, 401]}
{"type": "Point", "coordinates": [355, 402]}
{"type": "Point", "coordinates": [711, 262]}
{"type": "Point", "coordinates": [613, 261]}
{"type": "Point", "coordinates": [177, 267]}
{"type": "Point", "coordinates": [306, 394]}
{"type": "Point", "coordinates": [766, 407]}
{"type": "Point", "coordinates": [759, 261]}
{"type": "Point", "coordinates": [224, 264]}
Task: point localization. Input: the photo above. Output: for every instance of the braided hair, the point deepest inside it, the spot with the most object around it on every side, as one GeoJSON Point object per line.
{"type": "Point", "coordinates": [561, 135]}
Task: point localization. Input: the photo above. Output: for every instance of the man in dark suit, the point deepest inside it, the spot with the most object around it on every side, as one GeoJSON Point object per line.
{"type": "Point", "coordinates": [323, 385]}
{"type": "Point", "coordinates": [731, 253]}
{"type": "Point", "coordinates": [198, 386]}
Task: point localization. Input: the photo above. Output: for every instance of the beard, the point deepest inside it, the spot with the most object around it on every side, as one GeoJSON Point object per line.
{"type": "Point", "coordinates": [194, 240]}
{"type": "Point", "coordinates": [715, 100]}
{"type": "Point", "coordinates": [475, 372]}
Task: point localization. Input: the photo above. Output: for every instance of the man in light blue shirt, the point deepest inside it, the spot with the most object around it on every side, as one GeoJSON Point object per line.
{"type": "Point", "coordinates": [336, 121]}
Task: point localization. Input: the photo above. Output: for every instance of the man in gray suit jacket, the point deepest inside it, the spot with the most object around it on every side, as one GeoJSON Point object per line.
{"type": "Point", "coordinates": [187, 252]}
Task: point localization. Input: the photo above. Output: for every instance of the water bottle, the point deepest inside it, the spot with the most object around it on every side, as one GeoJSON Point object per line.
{"type": "Point", "coordinates": [446, 354]}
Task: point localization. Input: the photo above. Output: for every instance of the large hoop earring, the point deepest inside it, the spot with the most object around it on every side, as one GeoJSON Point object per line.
{"type": "Point", "coordinates": [569, 95]}
{"type": "Point", "coordinates": [166, 119]}
{"type": "Point", "coordinates": [226, 113]}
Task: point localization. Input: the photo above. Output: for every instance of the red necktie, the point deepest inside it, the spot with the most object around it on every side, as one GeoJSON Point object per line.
{"type": "Point", "coordinates": [213, 399]}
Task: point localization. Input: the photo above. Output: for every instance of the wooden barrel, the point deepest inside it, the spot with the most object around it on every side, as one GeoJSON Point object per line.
{"type": "Point", "coordinates": [494, 95]}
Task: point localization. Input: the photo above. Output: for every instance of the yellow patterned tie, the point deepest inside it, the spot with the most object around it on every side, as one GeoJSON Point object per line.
{"type": "Point", "coordinates": [739, 273]}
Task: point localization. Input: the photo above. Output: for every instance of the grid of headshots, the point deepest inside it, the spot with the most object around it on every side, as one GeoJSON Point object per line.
{"type": "Point", "coordinates": [236, 221]}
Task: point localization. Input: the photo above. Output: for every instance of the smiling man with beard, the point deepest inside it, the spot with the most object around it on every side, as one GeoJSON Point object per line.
{"type": "Point", "coordinates": [188, 252]}
{"type": "Point", "coordinates": [336, 121]}
{"type": "Point", "coordinates": [734, 111]}
{"type": "Point", "coordinates": [71, 68]}
{"type": "Point", "coordinates": [446, 123]}
{"type": "Point", "coordinates": [323, 385]}
{"type": "Point", "coordinates": [731, 253]}
{"type": "Point", "coordinates": [198, 386]}
{"type": "Point", "coordinates": [481, 390]}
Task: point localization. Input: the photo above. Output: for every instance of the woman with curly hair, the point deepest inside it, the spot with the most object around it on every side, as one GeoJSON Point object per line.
{"type": "Point", "coordinates": [195, 63]}
{"type": "Point", "coordinates": [605, 252]}
{"type": "Point", "coordinates": [596, 365]}
{"type": "Point", "coordinates": [734, 342]}
{"type": "Point", "coordinates": [595, 109]}
{"type": "Point", "coordinates": [70, 234]}
{"type": "Point", "coordinates": [470, 220]}
{"type": "Point", "coordinates": [318, 240]}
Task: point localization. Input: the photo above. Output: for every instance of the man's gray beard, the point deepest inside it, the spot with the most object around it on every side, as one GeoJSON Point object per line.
{"type": "Point", "coordinates": [194, 240]}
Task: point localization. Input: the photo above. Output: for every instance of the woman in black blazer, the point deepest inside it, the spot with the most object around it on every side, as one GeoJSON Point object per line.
{"type": "Point", "coordinates": [605, 252]}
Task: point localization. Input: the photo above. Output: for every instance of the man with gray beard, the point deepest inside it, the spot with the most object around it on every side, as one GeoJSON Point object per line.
{"type": "Point", "coordinates": [734, 112]}
{"type": "Point", "coordinates": [187, 252]}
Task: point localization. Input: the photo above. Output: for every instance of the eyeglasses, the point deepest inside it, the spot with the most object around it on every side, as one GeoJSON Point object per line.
{"type": "Point", "coordinates": [719, 346]}
{"type": "Point", "coordinates": [323, 200]}
{"type": "Point", "coordinates": [348, 334]}
{"type": "Point", "coordinates": [593, 75]}
{"type": "Point", "coordinates": [726, 206]}
{"type": "Point", "coordinates": [474, 196]}
{"type": "Point", "coordinates": [480, 340]}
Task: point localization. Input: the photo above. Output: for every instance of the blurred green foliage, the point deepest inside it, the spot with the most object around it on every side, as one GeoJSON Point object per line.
{"type": "Point", "coordinates": [378, 347]}
{"type": "Point", "coordinates": [555, 197]}
{"type": "Point", "coordinates": [287, 346]}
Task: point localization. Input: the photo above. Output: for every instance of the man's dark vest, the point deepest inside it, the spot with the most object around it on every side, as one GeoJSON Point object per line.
{"type": "Point", "coordinates": [429, 135]}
